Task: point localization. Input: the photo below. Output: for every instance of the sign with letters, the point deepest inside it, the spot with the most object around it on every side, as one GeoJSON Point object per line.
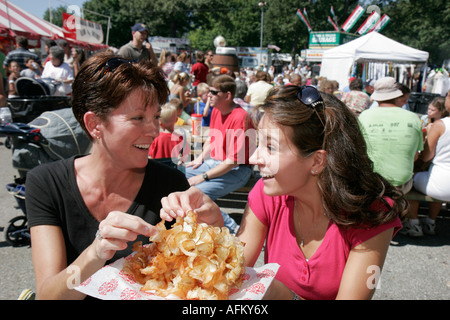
{"type": "Point", "coordinates": [80, 29]}
{"type": "Point", "coordinates": [329, 39]}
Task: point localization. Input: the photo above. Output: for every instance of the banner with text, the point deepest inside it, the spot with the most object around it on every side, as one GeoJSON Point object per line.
{"type": "Point", "coordinates": [353, 18]}
{"type": "Point", "coordinates": [381, 23]}
{"type": "Point", "coordinates": [80, 29]}
{"type": "Point", "coordinates": [369, 23]}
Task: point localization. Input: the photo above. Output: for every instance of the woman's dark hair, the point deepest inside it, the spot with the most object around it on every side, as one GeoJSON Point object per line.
{"type": "Point", "coordinates": [403, 88]}
{"type": "Point", "coordinates": [80, 53]}
{"type": "Point", "coordinates": [200, 56]}
{"type": "Point", "coordinates": [353, 194]}
{"type": "Point", "coordinates": [356, 84]}
{"type": "Point", "coordinates": [101, 92]}
{"type": "Point", "coordinates": [262, 75]}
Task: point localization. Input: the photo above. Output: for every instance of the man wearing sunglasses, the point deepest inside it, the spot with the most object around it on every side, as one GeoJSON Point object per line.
{"type": "Point", "coordinates": [223, 165]}
{"type": "Point", "coordinates": [138, 48]}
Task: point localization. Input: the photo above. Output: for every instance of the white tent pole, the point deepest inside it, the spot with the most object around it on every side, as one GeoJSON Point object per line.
{"type": "Point", "coordinates": [7, 13]}
{"type": "Point", "coordinates": [424, 76]}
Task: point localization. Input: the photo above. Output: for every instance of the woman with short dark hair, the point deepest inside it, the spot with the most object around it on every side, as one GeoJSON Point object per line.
{"type": "Point", "coordinates": [85, 211]}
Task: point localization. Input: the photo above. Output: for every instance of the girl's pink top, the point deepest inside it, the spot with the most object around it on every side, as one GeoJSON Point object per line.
{"type": "Point", "coordinates": [319, 277]}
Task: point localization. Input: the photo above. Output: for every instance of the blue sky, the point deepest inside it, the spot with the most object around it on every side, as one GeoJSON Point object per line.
{"type": "Point", "coordinates": [38, 7]}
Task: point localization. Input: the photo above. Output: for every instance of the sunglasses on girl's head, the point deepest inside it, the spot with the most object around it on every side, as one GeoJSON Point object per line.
{"type": "Point", "coordinates": [311, 97]}
{"type": "Point", "coordinates": [114, 63]}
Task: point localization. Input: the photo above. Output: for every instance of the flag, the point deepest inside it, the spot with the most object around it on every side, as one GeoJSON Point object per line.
{"type": "Point", "coordinates": [381, 23]}
{"type": "Point", "coordinates": [272, 46]}
{"type": "Point", "coordinates": [302, 17]}
{"type": "Point", "coordinates": [332, 12]}
{"type": "Point", "coordinates": [369, 23]}
{"type": "Point", "coordinates": [305, 14]}
{"type": "Point", "coordinates": [333, 24]}
{"type": "Point", "coordinates": [353, 18]}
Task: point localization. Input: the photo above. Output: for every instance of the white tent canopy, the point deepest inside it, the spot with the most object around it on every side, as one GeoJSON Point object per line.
{"type": "Point", "coordinates": [337, 62]}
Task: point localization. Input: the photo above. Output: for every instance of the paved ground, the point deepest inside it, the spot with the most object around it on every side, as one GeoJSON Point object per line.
{"type": "Point", "coordinates": [414, 269]}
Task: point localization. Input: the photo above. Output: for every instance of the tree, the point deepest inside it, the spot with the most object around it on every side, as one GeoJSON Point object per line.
{"type": "Point", "coordinates": [163, 18]}
{"type": "Point", "coordinates": [421, 24]}
{"type": "Point", "coordinates": [57, 15]}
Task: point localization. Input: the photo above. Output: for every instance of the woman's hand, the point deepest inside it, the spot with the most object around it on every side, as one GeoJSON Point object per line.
{"type": "Point", "coordinates": [116, 230]}
{"type": "Point", "coordinates": [178, 203]}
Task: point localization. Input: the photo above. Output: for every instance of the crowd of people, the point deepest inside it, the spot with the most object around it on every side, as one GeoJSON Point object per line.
{"type": "Point", "coordinates": [60, 66]}
{"type": "Point", "coordinates": [334, 166]}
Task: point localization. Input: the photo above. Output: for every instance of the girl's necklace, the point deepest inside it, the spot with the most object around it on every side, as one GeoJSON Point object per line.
{"type": "Point", "coordinates": [297, 222]}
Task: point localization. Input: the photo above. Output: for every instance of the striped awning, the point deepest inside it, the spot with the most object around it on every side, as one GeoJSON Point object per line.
{"type": "Point", "coordinates": [21, 22]}
{"type": "Point", "coordinates": [16, 21]}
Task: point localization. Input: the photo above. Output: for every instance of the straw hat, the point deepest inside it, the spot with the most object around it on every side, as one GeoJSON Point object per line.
{"type": "Point", "coordinates": [385, 89]}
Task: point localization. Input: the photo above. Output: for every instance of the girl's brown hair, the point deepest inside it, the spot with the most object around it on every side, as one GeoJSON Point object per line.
{"type": "Point", "coordinates": [101, 91]}
{"type": "Point", "coordinates": [353, 194]}
{"type": "Point", "coordinates": [439, 103]}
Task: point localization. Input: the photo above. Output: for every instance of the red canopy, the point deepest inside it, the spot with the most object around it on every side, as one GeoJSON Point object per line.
{"type": "Point", "coordinates": [16, 21]}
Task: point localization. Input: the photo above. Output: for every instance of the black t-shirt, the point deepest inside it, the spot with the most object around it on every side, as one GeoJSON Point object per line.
{"type": "Point", "coordinates": [53, 198]}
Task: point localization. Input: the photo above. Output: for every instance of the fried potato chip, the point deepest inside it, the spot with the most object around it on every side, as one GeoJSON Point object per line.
{"type": "Point", "coordinates": [190, 260]}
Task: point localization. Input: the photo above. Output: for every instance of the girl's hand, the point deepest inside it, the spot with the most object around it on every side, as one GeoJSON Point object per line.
{"type": "Point", "coordinates": [178, 203]}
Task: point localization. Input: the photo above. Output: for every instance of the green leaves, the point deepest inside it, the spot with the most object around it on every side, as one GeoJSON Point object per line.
{"type": "Point", "coordinates": [422, 24]}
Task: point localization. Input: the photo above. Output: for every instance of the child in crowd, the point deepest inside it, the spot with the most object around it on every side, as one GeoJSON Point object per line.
{"type": "Point", "coordinates": [32, 71]}
{"type": "Point", "coordinates": [168, 144]}
{"type": "Point", "coordinates": [14, 74]}
{"type": "Point", "coordinates": [202, 106]}
{"type": "Point", "coordinates": [436, 110]}
{"type": "Point", "coordinates": [183, 116]}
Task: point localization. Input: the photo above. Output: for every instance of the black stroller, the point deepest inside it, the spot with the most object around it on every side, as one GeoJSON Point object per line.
{"type": "Point", "coordinates": [43, 129]}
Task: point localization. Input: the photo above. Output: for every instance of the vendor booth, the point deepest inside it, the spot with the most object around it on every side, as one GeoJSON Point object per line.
{"type": "Point", "coordinates": [375, 54]}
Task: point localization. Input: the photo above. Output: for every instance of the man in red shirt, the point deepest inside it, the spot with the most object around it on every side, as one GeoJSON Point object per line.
{"type": "Point", "coordinates": [223, 165]}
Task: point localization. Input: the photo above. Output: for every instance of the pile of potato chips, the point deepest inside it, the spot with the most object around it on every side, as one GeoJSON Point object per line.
{"type": "Point", "coordinates": [190, 260]}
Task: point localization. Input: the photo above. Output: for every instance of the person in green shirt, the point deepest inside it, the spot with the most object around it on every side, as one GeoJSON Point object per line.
{"type": "Point", "coordinates": [393, 135]}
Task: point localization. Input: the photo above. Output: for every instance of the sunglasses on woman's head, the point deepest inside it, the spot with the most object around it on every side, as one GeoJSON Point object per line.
{"type": "Point", "coordinates": [114, 63]}
{"type": "Point", "coordinates": [311, 97]}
